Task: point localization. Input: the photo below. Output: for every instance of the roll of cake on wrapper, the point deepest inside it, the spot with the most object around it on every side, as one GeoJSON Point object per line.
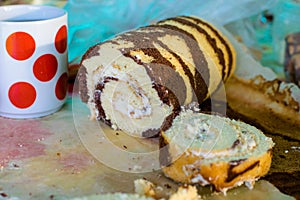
{"type": "Point", "coordinates": [274, 107]}
{"type": "Point", "coordinates": [141, 78]}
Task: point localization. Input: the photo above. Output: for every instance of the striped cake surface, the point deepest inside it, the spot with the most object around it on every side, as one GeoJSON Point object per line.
{"type": "Point", "coordinates": [159, 67]}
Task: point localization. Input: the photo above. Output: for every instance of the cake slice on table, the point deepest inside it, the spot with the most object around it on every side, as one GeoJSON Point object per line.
{"type": "Point", "coordinates": [208, 149]}
{"type": "Point", "coordinates": [136, 80]}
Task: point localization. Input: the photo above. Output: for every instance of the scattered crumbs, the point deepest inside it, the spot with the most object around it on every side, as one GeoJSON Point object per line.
{"type": "Point", "coordinates": [2, 194]}
{"type": "Point", "coordinates": [40, 139]}
{"type": "Point", "coordinates": [114, 127]}
{"type": "Point", "coordinates": [159, 188]}
{"type": "Point", "coordinates": [137, 167]}
{"type": "Point", "coordinates": [295, 148]}
{"type": "Point", "coordinates": [15, 165]}
{"type": "Point", "coordinates": [167, 186]}
{"type": "Point", "coordinates": [286, 151]}
{"type": "Point", "coordinates": [125, 147]}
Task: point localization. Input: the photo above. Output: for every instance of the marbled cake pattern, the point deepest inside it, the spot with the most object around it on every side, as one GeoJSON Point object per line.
{"type": "Point", "coordinates": [139, 78]}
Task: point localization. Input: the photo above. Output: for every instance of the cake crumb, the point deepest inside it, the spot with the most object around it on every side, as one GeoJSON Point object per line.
{"type": "Point", "coordinates": [186, 193]}
{"type": "Point", "coordinates": [144, 187]}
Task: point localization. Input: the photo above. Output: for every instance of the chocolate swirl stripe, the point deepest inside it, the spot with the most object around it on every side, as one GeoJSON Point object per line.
{"type": "Point", "coordinates": [229, 50]}
{"type": "Point", "coordinates": [203, 38]}
{"type": "Point", "coordinates": [211, 47]}
{"type": "Point", "coordinates": [158, 64]}
{"type": "Point", "coordinates": [200, 65]}
{"type": "Point", "coordinates": [161, 53]}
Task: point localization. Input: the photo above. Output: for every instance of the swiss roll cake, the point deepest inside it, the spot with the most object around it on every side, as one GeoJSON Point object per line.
{"type": "Point", "coordinates": [212, 150]}
{"type": "Point", "coordinates": [140, 78]}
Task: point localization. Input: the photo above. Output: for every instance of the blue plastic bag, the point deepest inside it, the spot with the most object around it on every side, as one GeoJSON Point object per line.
{"type": "Point", "coordinates": [93, 21]}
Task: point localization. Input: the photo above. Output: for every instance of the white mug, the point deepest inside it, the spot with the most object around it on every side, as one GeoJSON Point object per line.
{"type": "Point", "coordinates": [33, 60]}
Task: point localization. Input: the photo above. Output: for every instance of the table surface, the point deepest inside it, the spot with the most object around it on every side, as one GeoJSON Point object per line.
{"type": "Point", "coordinates": [49, 158]}
{"type": "Point", "coordinates": [57, 157]}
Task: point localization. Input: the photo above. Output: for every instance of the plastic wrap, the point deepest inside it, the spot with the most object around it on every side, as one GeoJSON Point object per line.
{"type": "Point", "coordinates": [93, 21]}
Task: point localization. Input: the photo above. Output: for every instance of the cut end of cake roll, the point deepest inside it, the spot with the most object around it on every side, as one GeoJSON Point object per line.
{"type": "Point", "coordinates": [138, 79]}
{"type": "Point", "coordinates": [213, 150]}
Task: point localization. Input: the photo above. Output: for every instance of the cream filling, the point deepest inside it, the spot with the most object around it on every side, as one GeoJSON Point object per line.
{"type": "Point", "coordinates": [213, 138]}
{"type": "Point", "coordinates": [133, 106]}
{"type": "Point", "coordinates": [130, 103]}
{"type": "Point", "coordinates": [95, 66]}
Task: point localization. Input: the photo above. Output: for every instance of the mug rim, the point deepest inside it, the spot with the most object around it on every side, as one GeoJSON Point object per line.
{"type": "Point", "coordinates": [42, 15]}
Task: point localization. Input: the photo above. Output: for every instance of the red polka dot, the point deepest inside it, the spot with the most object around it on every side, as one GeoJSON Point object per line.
{"type": "Point", "coordinates": [61, 86]}
{"type": "Point", "coordinates": [45, 67]}
{"type": "Point", "coordinates": [22, 94]}
{"type": "Point", "coordinates": [61, 39]}
{"type": "Point", "coordinates": [20, 45]}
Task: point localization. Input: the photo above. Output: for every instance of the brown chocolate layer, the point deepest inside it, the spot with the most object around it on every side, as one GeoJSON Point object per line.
{"type": "Point", "coordinates": [161, 74]}
{"type": "Point", "coordinates": [160, 70]}
{"type": "Point", "coordinates": [81, 77]}
{"type": "Point", "coordinates": [97, 97]}
{"type": "Point", "coordinates": [210, 40]}
{"type": "Point", "coordinates": [221, 38]}
{"type": "Point", "coordinates": [83, 90]}
{"type": "Point", "coordinates": [201, 78]}
{"type": "Point", "coordinates": [232, 174]}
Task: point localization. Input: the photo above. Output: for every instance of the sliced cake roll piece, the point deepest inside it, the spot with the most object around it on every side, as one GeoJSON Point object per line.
{"type": "Point", "coordinates": [209, 149]}
{"type": "Point", "coordinates": [136, 80]}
